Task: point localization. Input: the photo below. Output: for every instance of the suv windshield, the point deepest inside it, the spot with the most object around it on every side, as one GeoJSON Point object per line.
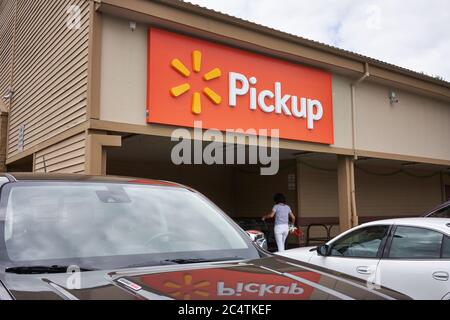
{"type": "Point", "coordinates": [111, 225]}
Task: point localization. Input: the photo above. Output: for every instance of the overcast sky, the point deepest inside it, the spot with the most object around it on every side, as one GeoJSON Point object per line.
{"type": "Point", "coordinates": [413, 34]}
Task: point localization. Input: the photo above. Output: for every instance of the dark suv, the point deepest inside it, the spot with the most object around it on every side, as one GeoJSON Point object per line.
{"type": "Point", "coordinates": [441, 211]}
{"type": "Point", "coordinates": [83, 237]}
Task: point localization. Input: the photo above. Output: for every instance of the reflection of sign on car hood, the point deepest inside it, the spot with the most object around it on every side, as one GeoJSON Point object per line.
{"type": "Point", "coordinates": [233, 283]}
{"type": "Point", "coordinates": [261, 279]}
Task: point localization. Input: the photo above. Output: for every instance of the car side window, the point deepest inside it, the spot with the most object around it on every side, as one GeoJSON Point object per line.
{"type": "Point", "coordinates": [446, 248]}
{"type": "Point", "coordinates": [361, 243]}
{"type": "Point", "coordinates": [415, 243]}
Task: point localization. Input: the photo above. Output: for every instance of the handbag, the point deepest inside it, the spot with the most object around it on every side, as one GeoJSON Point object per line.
{"type": "Point", "coordinates": [295, 231]}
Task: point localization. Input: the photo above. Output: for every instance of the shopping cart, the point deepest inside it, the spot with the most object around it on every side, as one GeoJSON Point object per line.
{"type": "Point", "coordinates": [263, 226]}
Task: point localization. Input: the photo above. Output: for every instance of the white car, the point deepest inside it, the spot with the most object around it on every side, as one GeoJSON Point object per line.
{"type": "Point", "coordinates": [409, 255]}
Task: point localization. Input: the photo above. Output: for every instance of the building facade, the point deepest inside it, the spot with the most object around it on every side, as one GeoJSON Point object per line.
{"type": "Point", "coordinates": [81, 83]}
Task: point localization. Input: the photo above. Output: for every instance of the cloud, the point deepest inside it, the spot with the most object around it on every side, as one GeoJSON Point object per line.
{"type": "Point", "coordinates": [411, 34]}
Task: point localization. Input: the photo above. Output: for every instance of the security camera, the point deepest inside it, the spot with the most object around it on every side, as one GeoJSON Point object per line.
{"type": "Point", "coordinates": [132, 25]}
{"type": "Point", "coordinates": [393, 97]}
{"type": "Point", "coordinates": [9, 94]}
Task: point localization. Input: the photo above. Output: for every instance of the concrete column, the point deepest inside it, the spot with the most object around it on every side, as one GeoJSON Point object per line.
{"type": "Point", "coordinates": [346, 193]}
{"type": "Point", "coordinates": [297, 181]}
{"type": "Point", "coordinates": [3, 140]}
{"type": "Point", "coordinates": [96, 155]}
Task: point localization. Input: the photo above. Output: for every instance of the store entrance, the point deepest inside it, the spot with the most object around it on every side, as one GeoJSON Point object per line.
{"type": "Point", "coordinates": [238, 189]}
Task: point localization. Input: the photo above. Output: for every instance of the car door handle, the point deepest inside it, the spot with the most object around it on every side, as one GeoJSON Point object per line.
{"type": "Point", "coordinates": [440, 276]}
{"type": "Point", "coordinates": [364, 270]}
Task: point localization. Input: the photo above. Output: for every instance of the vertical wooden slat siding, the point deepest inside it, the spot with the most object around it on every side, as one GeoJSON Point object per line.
{"type": "Point", "coordinates": [31, 36]}
{"type": "Point", "coordinates": [70, 91]}
{"type": "Point", "coordinates": [67, 156]}
{"type": "Point", "coordinates": [6, 45]}
{"type": "Point", "coordinates": [50, 81]}
{"type": "Point", "coordinates": [57, 113]}
{"type": "Point", "coordinates": [50, 93]}
{"type": "Point", "coordinates": [45, 80]}
{"type": "Point", "coordinates": [78, 48]}
{"type": "Point", "coordinates": [56, 93]}
{"type": "Point", "coordinates": [55, 54]}
{"type": "Point", "coordinates": [57, 126]}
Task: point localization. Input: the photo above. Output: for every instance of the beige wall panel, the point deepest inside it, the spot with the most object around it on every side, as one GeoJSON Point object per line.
{"type": "Point", "coordinates": [50, 76]}
{"type": "Point", "coordinates": [399, 194]}
{"type": "Point", "coordinates": [376, 195]}
{"type": "Point", "coordinates": [342, 112]}
{"type": "Point", "coordinates": [415, 126]}
{"type": "Point", "coordinates": [123, 88]}
{"type": "Point", "coordinates": [318, 191]}
{"type": "Point", "coordinates": [67, 156]}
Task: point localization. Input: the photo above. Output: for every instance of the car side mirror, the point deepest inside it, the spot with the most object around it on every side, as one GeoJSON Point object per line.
{"type": "Point", "coordinates": [258, 237]}
{"type": "Point", "coordinates": [323, 250]}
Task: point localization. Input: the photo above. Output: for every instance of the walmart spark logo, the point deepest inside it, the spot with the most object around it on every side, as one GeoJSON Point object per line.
{"type": "Point", "coordinates": [185, 87]}
{"type": "Point", "coordinates": [188, 289]}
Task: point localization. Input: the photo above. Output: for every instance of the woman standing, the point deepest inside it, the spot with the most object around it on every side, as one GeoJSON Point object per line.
{"type": "Point", "coordinates": [282, 212]}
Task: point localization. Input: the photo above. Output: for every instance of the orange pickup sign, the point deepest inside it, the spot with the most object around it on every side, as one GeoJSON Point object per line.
{"type": "Point", "coordinates": [228, 89]}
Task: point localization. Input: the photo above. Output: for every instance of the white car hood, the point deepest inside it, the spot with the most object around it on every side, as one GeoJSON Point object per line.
{"type": "Point", "coordinates": [301, 254]}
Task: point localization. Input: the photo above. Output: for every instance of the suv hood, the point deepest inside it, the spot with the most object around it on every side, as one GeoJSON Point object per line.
{"type": "Point", "coordinates": [268, 278]}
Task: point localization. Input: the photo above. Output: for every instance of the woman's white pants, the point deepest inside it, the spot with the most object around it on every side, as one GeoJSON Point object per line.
{"type": "Point", "coordinates": [281, 233]}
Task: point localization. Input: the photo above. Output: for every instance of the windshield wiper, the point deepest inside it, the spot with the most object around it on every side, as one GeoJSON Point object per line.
{"type": "Point", "coordinates": [200, 260]}
{"type": "Point", "coordinates": [42, 269]}
{"type": "Point", "coordinates": [150, 264]}
{"type": "Point", "coordinates": [180, 261]}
